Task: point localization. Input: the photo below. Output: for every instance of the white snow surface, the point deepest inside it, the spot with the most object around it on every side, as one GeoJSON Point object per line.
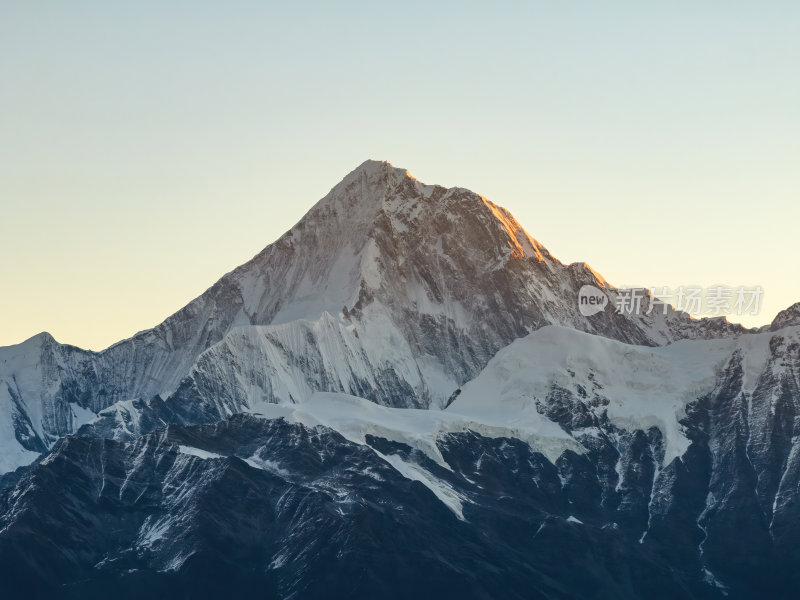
{"type": "Point", "coordinates": [81, 416]}
{"type": "Point", "coordinates": [645, 386]}
{"type": "Point", "coordinates": [199, 453]}
{"type": "Point", "coordinates": [27, 361]}
{"type": "Point", "coordinates": [12, 455]}
{"type": "Point", "coordinates": [356, 418]}
{"type": "Point", "coordinates": [641, 387]}
{"type": "Point", "coordinates": [256, 365]}
{"type": "Point", "coordinates": [444, 492]}
{"type": "Point", "coordinates": [574, 519]}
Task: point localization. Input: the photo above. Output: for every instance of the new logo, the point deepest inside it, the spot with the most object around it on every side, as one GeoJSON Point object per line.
{"type": "Point", "coordinates": [591, 300]}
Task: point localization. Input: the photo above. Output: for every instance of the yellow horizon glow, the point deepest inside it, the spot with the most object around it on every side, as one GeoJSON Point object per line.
{"type": "Point", "coordinates": [146, 150]}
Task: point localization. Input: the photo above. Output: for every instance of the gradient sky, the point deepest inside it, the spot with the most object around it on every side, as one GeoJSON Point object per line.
{"type": "Point", "coordinates": [147, 148]}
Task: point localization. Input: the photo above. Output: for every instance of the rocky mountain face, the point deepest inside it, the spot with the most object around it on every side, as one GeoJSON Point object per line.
{"type": "Point", "coordinates": [401, 399]}
{"type": "Point", "coordinates": [786, 318]}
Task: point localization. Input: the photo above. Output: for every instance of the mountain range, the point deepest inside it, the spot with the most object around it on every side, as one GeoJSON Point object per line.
{"type": "Point", "coordinates": [401, 398]}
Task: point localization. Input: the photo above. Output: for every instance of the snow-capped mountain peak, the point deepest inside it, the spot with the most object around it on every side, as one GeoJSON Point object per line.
{"type": "Point", "coordinates": [419, 285]}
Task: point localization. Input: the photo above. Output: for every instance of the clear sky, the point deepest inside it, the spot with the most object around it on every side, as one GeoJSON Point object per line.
{"type": "Point", "coordinates": [146, 148]}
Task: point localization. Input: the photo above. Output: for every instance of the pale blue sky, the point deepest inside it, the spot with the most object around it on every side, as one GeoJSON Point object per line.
{"type": "Point", "coordinates": [148, 148]}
